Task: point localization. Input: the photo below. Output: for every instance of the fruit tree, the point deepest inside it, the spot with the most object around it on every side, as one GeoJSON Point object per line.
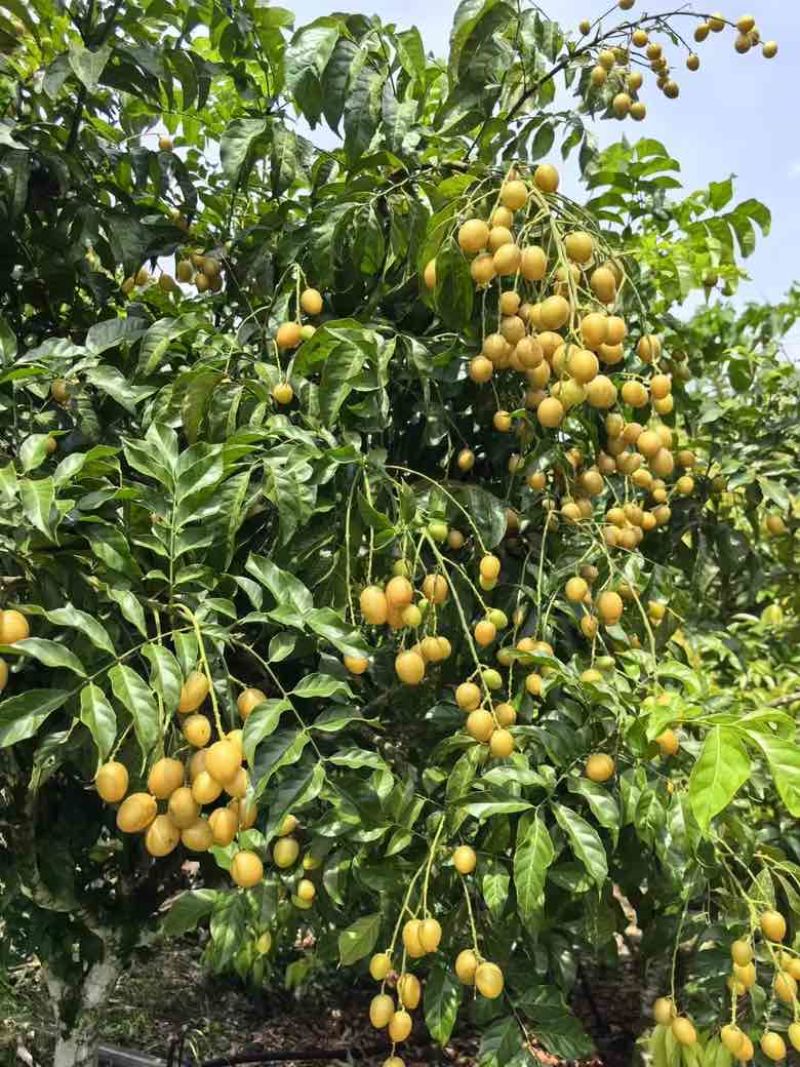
{"type": "Point", "coordinates": [382, 556]}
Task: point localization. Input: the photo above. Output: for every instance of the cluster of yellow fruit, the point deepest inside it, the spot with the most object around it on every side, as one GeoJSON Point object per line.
{"type": "Point", "coordinates": [608, 607]}
{"type": "Point", "coordinates": [13, 627]}
{"type": "Point", "coordinates": [394, 605]}
{"type": "Point", "coordinates": [742, 979]}
{"type": "Point", "coordinates": [620, 84]}
{"type": "Point", "coordinates": [186, 788]}
{"type": "Point", "coordinates": [421, 937]}
{"type": "Point", "coordinates": [290, 334]}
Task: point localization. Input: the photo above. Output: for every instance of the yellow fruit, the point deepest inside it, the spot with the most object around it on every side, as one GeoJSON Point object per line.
{"type": "Point", "coordinates": [223, 824]}
{"type": "Point", "coordinates": [534, 684]}
{"type": "Point", "coordinates": [610, 607]}
{"type": "Point", "coordinates": [731, 1037]}
{"type": "Point", "coordinates": [311, 301]}
{"type": "Point", "coordinates": [489, 980]}
{"type": "Point", "coordinates": [533, 263]}
{"type": "Point", "coordinates": [239, 784]}
{"type": "Point", "coordinates": [429, 274]}
{"type": "Point", "coordinates": [546, 178]}
{"type": "Point", "coordinates": [668, 743]}
{"type": "Point", "coordinates": [183, 809]}
{"type": "Point", "coordinates": [306, 890]}
{"type": "Point", "coordinates": [480, 725]}
{"type": "Point", "coordinates": [498, 237]}
{"type": "Point", "coordinates": [223, 761]}
{"type": "Point", "coordinates": [505, 714]}
{"type": "Point", "coordinates": [604, 284]}
{"type": "Point", "coordinates": [785, 988]}
{"type": "Point", "coordinates": [380, 965]}
{"type": "Point", "coordinates": [794, 1035]}
{"type": "Point", "coordinates": [773, 1046]}
{"type": "Point", "coordinates": [599, 767]}
{"type": "Point", "coordinates": [773, 925]}
{"type": "Point", "coordinates": [507, 259]}
{"type": "Point", "coordinates": [599, 76]}
{"type": "Point", "coordinates": [601, 392]}
{"type": "Point", "coordinates": [466, 965]}
{"type": "Point", "coordinates": [741, 952]}
{"type": "Point", "coordinates": [550, 413]}
{"type": "Point", "coordinates": [282, 393]}
{"type": "Point", "coordinates": [197, 730]}
{"type": "Point", "coordinates": [473, 236]}
{"type": "Point", "coordinates": [410, 667]}
{"type": "Point", "coordinates": [374, 606]}
{"type": "Point", "coordinates": [465, 460]}
{"type": "Point", "coordinates": [165, 776]}
{"type": "Point", "coordinates": [683, 1031]}
{"type": "Point", "coordinates": [193, 692]}
{"type": "Point", "coordinates": [482, 268]}
{"type": "Point", "coordinates": [621, 105]}
{"type": "Point", "coordinates": [285, 852]}
{"type": "Point", "coordinates": [746, 975]}
{"type": "Point", "coordinates": [13, 627]}
{"type": "Point", "coordinates": [111, 781]}
{"type": "Point", "coordinates": [246, 812]}
{"type": "Point", "coordinates": [468, 696]}
{"type": "Point", "coordinates": [205, 789]}
{"type": "Point", "coordinates": [485, 632]}
{"type": "Point", "coordinates": [381, 1010]}
{"type": "Point", "coordinates": [664, 1011]}
{"type": "Point", "coordinates": [264, 943]}
{"type": "Point", "coordinates": [162, 836]}
{"type": "Point", "coordinates": [501, 744]}
{"type": "Point", "coordinates": [579, 246]}
{"type": "Point", "coordinates": [399, 591]}
{"type": "Point", "coordinates": [464, 859]}
{"type": "Point", "coordinates": [400, 1025]}
{"type": "Point", "coordinates": [59, 390]}
{"type": "Point", "coordinates": [513, 195]}
{"type": "Point", "coordinates": [247, 869]}
{"type": "Point", "coordinates": [409, 990]}
{"type": "Point", "coordinates": [249, 699]}
{"type": "Point", "coordinates": [198, 837]}
{"type": "Point", "coordinates": [582, 365]}
{"type": "Point", "coordinates": [136, 812]}
{"type": "Point", "coordinates": [435, 588]}
{"type": "Point", "coordinates": [288, 335]}
{"type": "Point", "coordinates": [411, 940]}
{"type": "Point", "coordinates": [576, 589]}
{"type": "Point", "coordinates": [355, 664]}
{"type": "Point", "coordinates": [769, 49]}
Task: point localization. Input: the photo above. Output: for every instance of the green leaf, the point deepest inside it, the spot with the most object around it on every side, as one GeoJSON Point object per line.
{"type": "Point", "coordinates": [533, 855]}
{"type": "Point", "coordinates": [329, 624]}
{"type": "Point", "coordinates": [296, 788]}
{"type": "Point", "coordinates": [21, 716]}
{"type": "Point", "coordinates": [443, 994]}
{"type": "Point", "coordinates": [87, 65]}
{"type": "Point", "coordinates": [555, 1025]}
{"type": "Point", "coordinates": [260, 723]}
{"type": "Point", "coordinates": [50, 653]}
{"type": "Point", "coordinates": [454, 286]}
{"type": "Point", "coordinates": [784, 761]}
{"type": "Point", "coordinates": [98, 716]}
{"type": "Point", "coordinates": [33, 451]}
{"type": "Point", "coordinates": [236, 143]}
{"type": "Point", "coordinates": [482, 508]}
{"type": "Point", "coordinates": [359, 939]}
{"type": "Point", "coordinates": [320, 685]}
{"type": "Point", "coordinates": [38, 504]}
{"type": "Point", "coordinates": [73, 617]}
{"type": "Point", "coordinates": [285, 588]}
{"type": "Point", "coordinates": [134, 694]}
{"type": "Point", "coordinates": [585, 842]}
{"type": "Point", "coordinates": [722, 767]}
{"type": "Point", "coordinates": [281, 749]}
{"type": "Point", "coordinates": [362, 110]}
{"type": "Point", "coordinates": [188, 911]}
{"type": "Point", "coordinates": [166, 676]}
{"type": "Point", "coordinates": [339, 377]}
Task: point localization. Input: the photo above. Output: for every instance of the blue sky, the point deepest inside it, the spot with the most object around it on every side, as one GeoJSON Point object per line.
{"type": "Point", "coordinates": [737, 115]}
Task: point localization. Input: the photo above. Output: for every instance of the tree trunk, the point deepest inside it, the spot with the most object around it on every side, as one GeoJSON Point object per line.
{"type": "Point", "coordinates": [79, 1012]}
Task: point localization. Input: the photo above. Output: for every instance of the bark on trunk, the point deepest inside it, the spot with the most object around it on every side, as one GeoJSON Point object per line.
{"type": "Point", "coordinates": [78, 1012]}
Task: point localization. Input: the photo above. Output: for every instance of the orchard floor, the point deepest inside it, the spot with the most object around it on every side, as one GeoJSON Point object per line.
{"type": "Point", "coordinates": [167, 994]}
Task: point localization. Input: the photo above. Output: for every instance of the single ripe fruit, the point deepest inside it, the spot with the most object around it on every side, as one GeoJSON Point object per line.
{"type": "Point", "coordinates": [429, 274]}
{"type": "Point", "coordinates": [247, 869]}
{"type": "Point", "coordinates": [773, 1046]}
{"type": "Point", "coordinates": [579, 246]}
{"type": "Point", "coordinates": [501, 744]}
{"type": "Point", "coordinates": [464, 859]}
{"type": "Point", "coordinates": [683, 1031]}
{"type": "Point", "coordinates": [664, 1011]}
{"type": "Point", "coordinates": [576, 590]}
{"type": "Point", "coordinates": [183, 809]}
{"type": "Point", "coordinates": [473, 236]}
{"type": "Point", "coordinates": [546, 178]}
{"type": "Point", "coordinates": [435, 588]}
{"type": "Point", "coordinates": [249, 699]}
{"type": "Point", "coordinates": [223, 824]}
{"type": "Point", "coordinates": [111, 781]}
{"type": "Point", "coordinates": [741, 952]}
{"type": "Point", "coordinates": [550, 413]}
{"type": "Point", "coordinates": [668, 743]}
{"type": "Point", "coordinates": [466, 966]}
{"type": "Point", "coordinates": [374, 605]}
{"type": "Point", "coordinates": [380, 965]}
{"type": "Point", "coordinates": [223, 760]}
{"type": "Point", "coordinates": [165, 776]}
{"type": "Point", "coordinates": [489, 980]}
{"type": "Point", "coordinates": [198, 837]}
{"type": "Point", "coordinates": [773, 926]}
{"type": "Point", "coordinates": [136, 812]}
{"type": "Point", "coordinates": [13, 627]}
{"type": "Point", "coordinates": [430, 934]}
{"type": "Point", "coordinates": [485, 632]}
{"type": "Point", "coordinates": [197, 730]}
{"type": "Point", "coordinates": [381, 1010]}
{"type": "Point", "coordinates": [400, 1025]}
{"type": "Point", "coordinates": [468, 696]}
{"type": "Point", "coordinates": [193, 692]}
{"type": "Point", "coordinates": [411, 940]}
{"type": "Point", "coordinates": [785, 987]}
{"type": "Point", "coordinates": [794, 1035]}
{"type": "Point", "coordinates": [288, 335]}
{"type": "Point", "coordinates": [409, 990]}
{"type": "Point", "coordinates": [599, 767]}
{"type": "Point", "coordinates": [59, 390]}
{"type": "Point", "coordinates": [410, 667]}
{"type": "Point", "coordinates": [285, 852]}
{"type": "Point", "coordinates": [162, 836]}
{"type": "Point", "coordinates": [311, 301]}
{"type": "Point", "coordinates": [731, 1037]}
{"type": "Point", "coordinates": [306, 890]}
{"type": "Point", "coordinates": [205, 789]}
{"type": "Point", "coordinates": [514, 194]}
{"type": "Point", "coordinates": [480, 725]}
{"type": "Point", "coordinates": [282, 393]}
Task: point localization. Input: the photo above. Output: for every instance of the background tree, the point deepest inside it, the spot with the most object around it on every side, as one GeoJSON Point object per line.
{"type": "Point", "coordinates": [221, 480]}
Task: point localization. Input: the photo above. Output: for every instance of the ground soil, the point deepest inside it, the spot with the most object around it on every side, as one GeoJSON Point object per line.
{"type": "Point", "coordinates": [167, 998]}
